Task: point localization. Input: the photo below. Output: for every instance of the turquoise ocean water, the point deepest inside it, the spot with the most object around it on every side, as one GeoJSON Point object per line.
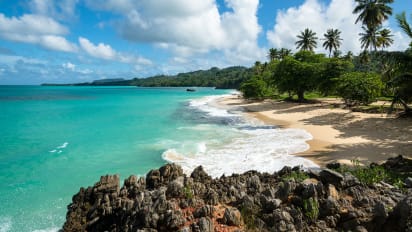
{"type": "Point", "coordinates": [53, 140]}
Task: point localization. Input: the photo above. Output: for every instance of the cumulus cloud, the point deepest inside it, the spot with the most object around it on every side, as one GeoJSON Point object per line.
{"type": "Point", "coordinates": [319, 17]}
{"type": "Point", "coordinates": [188, 27]}
{"type": "Point", "coordinates": [100, 51]}
{"type": "Point", "coordinates": [105, 51]}
{"type": "Point", "coordinates": [36, 29]}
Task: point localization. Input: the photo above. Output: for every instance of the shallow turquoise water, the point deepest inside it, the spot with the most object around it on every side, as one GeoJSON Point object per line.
{"type": "Point", "coordinates": [53, 140]}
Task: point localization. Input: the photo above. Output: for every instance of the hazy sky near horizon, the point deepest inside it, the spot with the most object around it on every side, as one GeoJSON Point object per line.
{"type": "Point", "coordinates": [67, 41]}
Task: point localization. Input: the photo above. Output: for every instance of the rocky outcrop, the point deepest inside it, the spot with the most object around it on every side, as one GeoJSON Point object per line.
{"type": "Point", "coordinates": [168, 200]}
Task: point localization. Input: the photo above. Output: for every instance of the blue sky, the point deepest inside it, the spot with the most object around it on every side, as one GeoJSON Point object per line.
{"type": "Point", "coordinates": [68, 41]}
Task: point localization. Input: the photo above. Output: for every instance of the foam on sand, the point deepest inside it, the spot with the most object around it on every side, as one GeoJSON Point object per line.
{"type": "Point", "coordinates": [254, 146]}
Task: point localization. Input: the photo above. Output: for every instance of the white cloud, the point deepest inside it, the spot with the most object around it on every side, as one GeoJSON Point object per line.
{"type": "Point", "coordinates": [101, 50]}
{"type": "Point", "coordinates": [62, 9]}
{"type": "Point", "coordinates": [57, 43]}
{"type": "Point", "coordinates": [105, 51]}
{"type": "Point", "coordinates": [69, 66]}
{"type": "Point", "coordinates": [318, 17]}
{"type": "Point", "coordinates": [36, 29]}
{"type": "Point", "coordinates": [188, 27]}
{"type": "Point", "coordinates": [31, 24]}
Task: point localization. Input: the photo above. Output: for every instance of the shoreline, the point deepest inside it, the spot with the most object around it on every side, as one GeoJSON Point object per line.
{"type": "Point", "coordinates": [339, 135]}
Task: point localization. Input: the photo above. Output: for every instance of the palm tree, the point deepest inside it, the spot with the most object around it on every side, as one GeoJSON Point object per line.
{"type": "Point", "coordinates": [284, 52]}
{"type": "Point", "coordinates": [307, 40]}
{"type": "Point", "coordinates": [273, 54]}
{"type": "Point", "coordinates": [406, 27]}
{"type": "Point", "coordinates": [258, 68]}
{"type": "Point", "coordinates": [384, 39]}
{"type": "Point", "coordinates": [348, 56]}
{"type": "Point", "coordinates": [332, 40]}
{"type": "Point", "coordinates": [372, 12]}
{"type": "Point", "coordinates": [369, 38]}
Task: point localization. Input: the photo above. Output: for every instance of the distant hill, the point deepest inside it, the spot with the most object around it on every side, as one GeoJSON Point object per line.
{"type": "Point", "coordinates": [226, 78]}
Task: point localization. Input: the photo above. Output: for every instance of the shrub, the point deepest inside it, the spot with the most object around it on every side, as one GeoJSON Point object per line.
{"type": "Point", "coordinates": [254, 88]}
{"type": "Point", "coordinates": [359, 88]}
{"type": "Point", "coordinates": [297, 176]}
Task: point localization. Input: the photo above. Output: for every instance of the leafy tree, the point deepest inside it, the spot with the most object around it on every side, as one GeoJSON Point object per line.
{"type": "Point", "coordinates": [372, 12]}
{"type": "Point", "coordinates": [406, 27]}
{"type": "Point", "coordinates": [227, 78]}
{"type": "Point", "coordinates": [332, 40]}
{"type": "Point", "coordinates": [297, 74]}
{"type": "Point", "coordinates": [384, 39]}
{"type": "Point", "coordinates": [332, 70]}
{"type": "Point", "coordinates": [359, 87]}
{"type": "Point", "coordinates": [337, 54]}
{"type": "Point", "coordinates": [254, 88]}
{"type": "Point", "coordinates": [307, 40]}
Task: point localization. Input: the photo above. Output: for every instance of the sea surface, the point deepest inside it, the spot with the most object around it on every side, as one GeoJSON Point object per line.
{"type": "Point", "coordinates": [53, 140]}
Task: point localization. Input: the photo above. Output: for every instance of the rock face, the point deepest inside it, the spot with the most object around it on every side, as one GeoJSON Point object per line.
{"type": "Point", "coordinates": [168, 200]}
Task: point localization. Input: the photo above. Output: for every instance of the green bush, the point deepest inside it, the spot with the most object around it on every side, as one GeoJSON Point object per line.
{"type": "Point", "coordinates": [297, 176]}
{"type": "Point", "coordinates": [359, 88]}
{"type": "Point", "coordinates": [254, 88]}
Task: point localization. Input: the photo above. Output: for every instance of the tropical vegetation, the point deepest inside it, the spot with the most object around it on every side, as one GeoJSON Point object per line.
{"type": "Point", "coordinates": [357, 79]}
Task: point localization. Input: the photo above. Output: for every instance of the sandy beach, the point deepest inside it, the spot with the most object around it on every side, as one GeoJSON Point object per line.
{"type": "Point", "coordinates": [339, 135]}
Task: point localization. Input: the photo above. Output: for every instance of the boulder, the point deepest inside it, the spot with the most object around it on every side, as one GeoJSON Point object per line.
{"type": "Point", "coordinates": [328, 176]}
{"type": "Point", "coordinates": [205, 224]}
{"type": "Point", "coordinates": [232, 217]}
{"type": "Point", "coordinates": [200, 175]}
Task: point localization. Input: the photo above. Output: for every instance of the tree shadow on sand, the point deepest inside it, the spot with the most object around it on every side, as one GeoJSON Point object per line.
{"type": "Point", "coordinates": [393, 129]}
{"type": "Point", "coordinates": [364, 152]}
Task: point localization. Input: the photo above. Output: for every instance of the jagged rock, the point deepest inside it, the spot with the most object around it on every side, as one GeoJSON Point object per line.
{"type": "Point", "coordinates": [253, 184]}
{"type": "Point", "coordinates": [200, 175]}
{"type": "Point", "coordinates": [168, 200]}
{"type": "Point", "coordinates": [408, 182]}
{"type": "Point", "coordinates": [285, 189]}
{"type": "Point", "coordinates": [205, 224]}
{"type": "Point", "coordinates": [399, 164]}
{"type": "Point", "coordinates": [107, 184]}
{"type": "Point", "coordinates": [333, 166]}
{"type": "Point", "coordinates": [163, 176]}
{"type": "Point", "coordinates": [175, 187]}
{"type": "Point", "coordinates": [401, 217]}
{"type": "Point", "coordinates": [285, 171]}
{"type": "Point", "coordinates": [204, 211]}
{"type": "Point", "coordinates": [283, 221]}
{"type": "Point", "coordinates": [232, 217]}
{"type": "Point", "coordinates": [350, 180]}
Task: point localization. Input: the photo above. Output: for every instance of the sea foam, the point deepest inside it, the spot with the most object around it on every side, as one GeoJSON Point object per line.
{"type": "Point", "coordinates": [5, 224]}
{"type": "Point", "coordinates": [251, 146]}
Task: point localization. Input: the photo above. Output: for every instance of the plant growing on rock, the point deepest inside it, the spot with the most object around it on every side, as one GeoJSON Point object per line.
{"type": "Point", "coordinates": [311, 208]}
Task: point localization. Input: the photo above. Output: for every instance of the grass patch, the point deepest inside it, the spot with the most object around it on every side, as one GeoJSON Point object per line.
{"type": "Point", "coordinates": [297, 176]}
{"type": "Point", "coordinates": [373, 174]}
{"type": "Point", "coordinates": [187, 192]}
{"type": "Point", "coordinates": [311, 208]}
